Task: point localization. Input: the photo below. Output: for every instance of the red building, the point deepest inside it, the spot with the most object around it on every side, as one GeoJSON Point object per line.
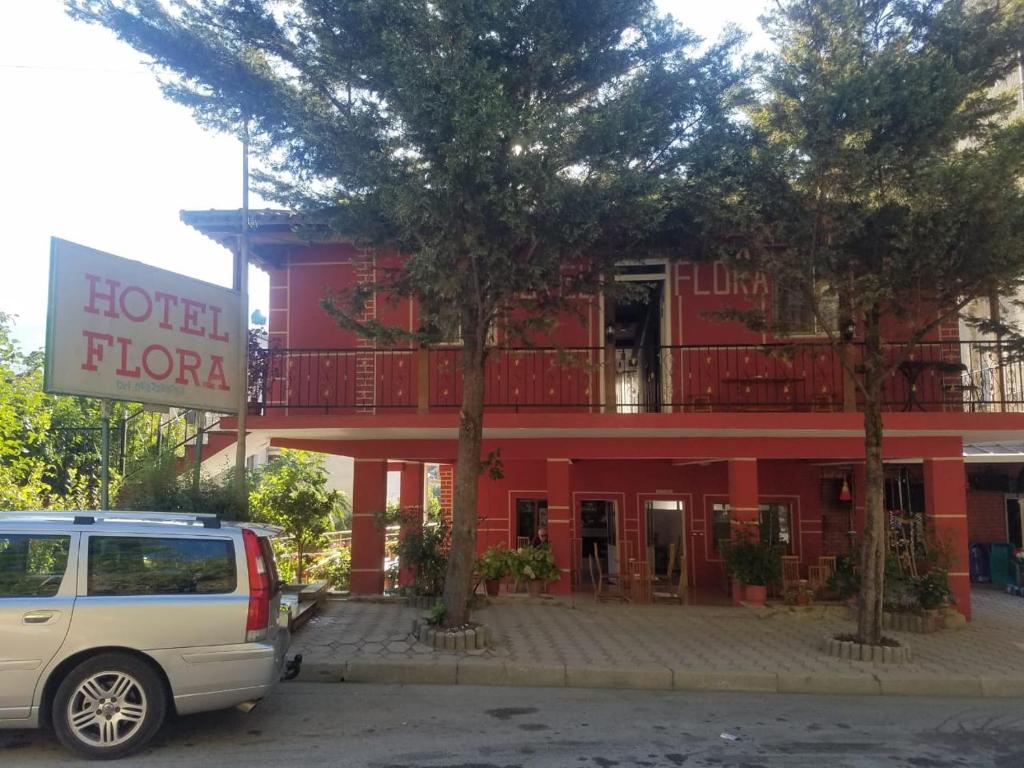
{"type": "Point", "coordinates": [638, 424]}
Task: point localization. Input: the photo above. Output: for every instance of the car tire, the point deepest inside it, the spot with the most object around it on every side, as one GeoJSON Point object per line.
{"type": "Point", "coordinates": [109, 706]}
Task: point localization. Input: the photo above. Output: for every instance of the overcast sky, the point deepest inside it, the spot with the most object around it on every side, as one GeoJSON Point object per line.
{"type": "Point", "coordinates": [94, 154]}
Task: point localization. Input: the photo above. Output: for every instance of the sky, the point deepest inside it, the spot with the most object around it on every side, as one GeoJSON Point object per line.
{"type": "Point", "coordinates": [93, 153]}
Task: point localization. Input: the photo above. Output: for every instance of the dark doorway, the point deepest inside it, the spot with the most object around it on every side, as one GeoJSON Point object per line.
{"type": "Point", "coordinates": [637, 332]}
{"type": "Point", "coordinates": [531, 514]}
{"type": "Point", "coordinates": [597, 533]}
{"type": "Point", "coordinates": [1013, 526]}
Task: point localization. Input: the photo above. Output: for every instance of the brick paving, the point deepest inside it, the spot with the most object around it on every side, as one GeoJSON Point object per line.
{"type": "Point", "coordinates": [579, 633]}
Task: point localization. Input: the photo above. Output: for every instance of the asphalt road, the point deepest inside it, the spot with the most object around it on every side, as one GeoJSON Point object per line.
{"type": "Point", "coordinates": [387, 726]}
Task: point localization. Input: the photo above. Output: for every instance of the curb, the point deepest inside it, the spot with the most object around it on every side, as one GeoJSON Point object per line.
{"type": "Point", "coordinates": [476, 671]}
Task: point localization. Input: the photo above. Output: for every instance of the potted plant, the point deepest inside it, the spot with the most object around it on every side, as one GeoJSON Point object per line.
{"type": "Point", "coordinates": [800, 593]}
{"type": "Point", "coordinates": [755, 564]}
{"type": "Point", "coordinates": [492, 566]}
{"type": "Point", "coordinates": [536, 566]}
{"type": "Point", "coordinates": [930, 592]}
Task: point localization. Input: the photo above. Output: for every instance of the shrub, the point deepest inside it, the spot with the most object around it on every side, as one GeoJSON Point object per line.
{"type": "Point", "coordinates": [494, 563]}
{"type": "Point", "coordinates": [535, 564]}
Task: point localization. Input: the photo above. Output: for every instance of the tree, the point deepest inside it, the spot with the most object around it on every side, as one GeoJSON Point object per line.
{"type": "Point", "coordinates": [512, 150]}
{"type": "Point", "coordinates": [881, 179]}
{"type": "Point", "coordinates": [292, 492]}
{"type": "Point", "coordinates": [24, 420]}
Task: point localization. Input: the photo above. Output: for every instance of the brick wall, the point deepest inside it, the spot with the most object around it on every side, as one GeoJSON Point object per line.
{"type": "Point", "coordinates": [447, 475]}
{"type": "Point", "coordinates": [986, 516]}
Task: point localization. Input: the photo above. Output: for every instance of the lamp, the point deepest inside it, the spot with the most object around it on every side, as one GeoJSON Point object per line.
{"type": "Point", "coordinates": [844, 492]}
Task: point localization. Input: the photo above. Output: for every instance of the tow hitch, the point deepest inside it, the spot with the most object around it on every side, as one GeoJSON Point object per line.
{"type": "Point", "coordinates": [292, 667]}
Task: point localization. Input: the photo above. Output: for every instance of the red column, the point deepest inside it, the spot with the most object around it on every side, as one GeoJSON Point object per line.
{"type": "Point", "coordinates": [369, 496]}
{"type": "Point", "coordinates": [945, 505]}
{"type": "Point", "coordinates": [410, 499]}
{"type": "Point", "coordinates": [743, 505]}
{"type": "Point", "coordinates": [559, 521]}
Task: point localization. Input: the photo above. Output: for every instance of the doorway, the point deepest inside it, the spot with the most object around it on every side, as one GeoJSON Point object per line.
{"type": "Point", "coordinates": [666, 541]}
{"type": "Point", "coordinates": [1014, 532]}
{"type": "Point", "coordinates": [636, 326]}
{"type": "Point", "coordinates": [598, 527]}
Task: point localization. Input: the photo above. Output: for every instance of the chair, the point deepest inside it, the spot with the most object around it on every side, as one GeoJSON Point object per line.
{"type": "Point", "coordinates": [522, 542]}
{"type": "Point", "coordinates": [668, 590]}
{"type": "Point", "coordinates": [639, 581]}
{"type": "Point", "coordinates": [790, 571]}
{"type": "Point", "coordinates": [604, 588]}
{"type": "Point", "coordinates": [829, 564]}
{"type": "Point", "coordinates": [817, 575]}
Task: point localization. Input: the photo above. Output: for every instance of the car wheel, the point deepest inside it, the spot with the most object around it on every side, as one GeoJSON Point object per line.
{"type": "Point", "coordinates": [109, 706]}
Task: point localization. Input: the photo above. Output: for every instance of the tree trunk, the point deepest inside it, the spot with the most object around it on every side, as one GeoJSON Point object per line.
{"type": "Point", "coordinates": [298, 567]}
{"type": "Point", "coordinates": [872, 560]}
{"type": "Point", "coordinates": [459, 578]}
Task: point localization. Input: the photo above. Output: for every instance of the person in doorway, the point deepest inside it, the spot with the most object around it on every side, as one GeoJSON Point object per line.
{"type": "Point", "coordinates": [540, 539]}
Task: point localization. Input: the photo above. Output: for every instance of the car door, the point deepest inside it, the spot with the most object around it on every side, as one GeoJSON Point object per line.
{"type": "Point", "coordinates": [38, 583]}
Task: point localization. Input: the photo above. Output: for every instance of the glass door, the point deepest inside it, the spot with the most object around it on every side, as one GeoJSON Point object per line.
{"type": "Point", "coordinates": [666, 542]}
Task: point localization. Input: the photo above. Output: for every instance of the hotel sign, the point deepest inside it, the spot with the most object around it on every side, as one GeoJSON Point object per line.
{"type": "Point", "coordinates": [123, 330]}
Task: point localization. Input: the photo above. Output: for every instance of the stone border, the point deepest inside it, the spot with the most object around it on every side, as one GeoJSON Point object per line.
{"type": "Point", "coordinates": [440, 639]}
{"type": "Point", "coordinates": [445, 669]}
{"type": "Point", "coordinates": [846, 649]}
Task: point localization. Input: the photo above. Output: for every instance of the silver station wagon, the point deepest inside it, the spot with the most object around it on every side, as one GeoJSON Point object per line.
{"type": "Point", "coordinates": [110, 620]}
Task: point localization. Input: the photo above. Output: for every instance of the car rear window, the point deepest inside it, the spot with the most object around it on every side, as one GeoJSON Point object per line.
{"type": "Point", "coordinates": [32, 565]}
{"type": "Point", "coordinates": [142, 565]}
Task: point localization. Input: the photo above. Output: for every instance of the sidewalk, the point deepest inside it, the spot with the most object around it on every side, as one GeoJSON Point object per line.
{"type": "Point", "coordinates": [579, 643]}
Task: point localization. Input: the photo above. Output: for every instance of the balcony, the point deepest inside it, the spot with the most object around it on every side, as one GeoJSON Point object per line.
{"type": "Point", "coordinates": [939, 376]}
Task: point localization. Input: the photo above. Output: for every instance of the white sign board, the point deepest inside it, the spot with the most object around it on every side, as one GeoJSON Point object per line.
{"type": "Point", "coordinates": [123, 330]}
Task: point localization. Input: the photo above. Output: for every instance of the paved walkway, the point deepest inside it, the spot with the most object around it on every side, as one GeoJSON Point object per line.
{"type": "Point", "coordinates": [582, 644]}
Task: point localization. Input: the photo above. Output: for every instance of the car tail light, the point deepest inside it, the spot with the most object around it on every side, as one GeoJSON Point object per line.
{"type": "Point", "coordinates": [259, 589]}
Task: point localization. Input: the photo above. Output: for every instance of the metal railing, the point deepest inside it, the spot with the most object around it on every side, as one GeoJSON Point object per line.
{"type": "Point", "coordinates": [797, 376]}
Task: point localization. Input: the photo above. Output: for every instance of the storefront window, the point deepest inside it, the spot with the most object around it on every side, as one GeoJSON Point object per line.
{"type": "Point", "coordinates": [720, 528]}
{"type": "Point", "coordinates": [775, 526]}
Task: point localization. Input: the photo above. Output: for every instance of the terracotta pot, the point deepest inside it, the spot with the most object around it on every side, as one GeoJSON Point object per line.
{"type": "Point", "coordinates": [737, 592]}
{"type": "Point", "coordinates": [755, 594]}
{"type": "Point", "coordinates": [535, 587]}
{"type": "Point", "coordinates": [492, 586]}
{"type": "Point", "coordinates": [803, 599]}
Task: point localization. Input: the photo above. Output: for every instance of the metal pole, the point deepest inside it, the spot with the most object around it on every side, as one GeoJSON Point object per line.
{"type": "Point", "coordinates": [242, 286]}
{"type": "Point", "coordinates": [124, 441]}
{"type": "Point", "coordinates": [105, 455]}
{"type": "Point", "coordinates": [197, 469]}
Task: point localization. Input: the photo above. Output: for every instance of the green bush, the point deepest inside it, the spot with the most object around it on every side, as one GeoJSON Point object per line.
{"type": "Point", "coordinates": [535, 564]}
{"type": "Point", "coordinates": [750, 561]}
{"type": "Point", "coordinates": [931, 590]}
{"type": "Point", "coordinates": [334, 567]}
{"type": "Point", "coordinates": [845, 582]}
{"type": "Point", "coordinates": [425, 550]}
{"type": "Point", "coordinates": [494, 563]}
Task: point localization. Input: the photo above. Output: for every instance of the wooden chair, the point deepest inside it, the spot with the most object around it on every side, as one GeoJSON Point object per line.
{"type": "Point", "coordinates": [829, 564]}
{"type": "Point", "coordinates": [790, 571]}
{"type": "Point", "coordinates": [666, 590]}
{"type": "Point", "coordinates": [639, 581]}
{"type": "Point", "coordinates": [817, 575]}
{"type": "Point", "coordinates": [684, 581]}
{"type": "Point", "coordinates": [522, 542]}
{"type": "Point", "coordinates": [604, 588]}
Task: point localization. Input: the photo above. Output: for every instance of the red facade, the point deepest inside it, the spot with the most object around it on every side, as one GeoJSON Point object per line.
{"type": "Point", "coordinates": [632, 424]}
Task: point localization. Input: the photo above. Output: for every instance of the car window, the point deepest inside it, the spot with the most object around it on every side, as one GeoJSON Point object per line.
{"type": "Point", "coordinates": [141, 565]}
{"type": "Point", "coordinates": [32, 565]}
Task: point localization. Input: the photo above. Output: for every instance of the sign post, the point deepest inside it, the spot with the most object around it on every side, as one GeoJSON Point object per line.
{"type": "Point", "coordinates": [105, 406]}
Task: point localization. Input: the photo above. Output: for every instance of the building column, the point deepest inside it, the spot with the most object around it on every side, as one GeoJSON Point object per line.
{"type": "Point", "coordinates": [369, 497]}
{"type": "Point", "coordinates": [743, 505]}
{"type": "Point", "coordinates": [945, 506]}
{"type": "Point", "coordinates": [560, 521]}
{"type": "Point", "coordinates": [410, 501]}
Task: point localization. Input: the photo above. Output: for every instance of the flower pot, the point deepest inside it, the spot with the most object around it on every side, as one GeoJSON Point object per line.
{"type": "Point", "coordinates": [535, 587]}
{"type": "Point", "coordinates": [492, 586]}
{"type": "Point", "coordinates": [737, 593]}
{"type": "Point", "coordinates": [755, 594]}
{"type": "Point", "coordinates": [803, 598]}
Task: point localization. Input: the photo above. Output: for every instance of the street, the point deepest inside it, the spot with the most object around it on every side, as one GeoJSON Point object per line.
{"type": "Point", "coordinates": [388, 726]}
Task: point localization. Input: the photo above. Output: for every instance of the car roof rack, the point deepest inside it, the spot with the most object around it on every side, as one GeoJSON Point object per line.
{"type": "Point", "coordinates": [90, 517]}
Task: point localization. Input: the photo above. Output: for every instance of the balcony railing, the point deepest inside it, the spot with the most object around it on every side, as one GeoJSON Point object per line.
{"type": "Point", "coordinates": [938, 376]}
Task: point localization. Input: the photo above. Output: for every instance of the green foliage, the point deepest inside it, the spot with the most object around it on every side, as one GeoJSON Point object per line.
{"type": "Point", "coordinates": [931, 590]}
{"type": "Point", "coordinates": [166, 484]}
{"type": "Point", "coordinates": [495, 562]}
{"type": "Point", "coordinates": [292, 492]}
{"type": "Point", "coordinates": [437, 613]}
{"type": "Point", "coordinates": [334, 567]}
{"type": "Point", "coordinates": [751, 561]}
{"type": "Point", "coordinates": [844, 583]}
{"type": "Point", "coordinates": [425, 550]}
{"type": "Point", "coordinates": [535, 564]}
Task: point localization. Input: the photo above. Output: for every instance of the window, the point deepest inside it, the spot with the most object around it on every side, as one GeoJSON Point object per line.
{"type": "Point", "coordinates": [721, 530]}
{"type": "Point", "coordinates": [775, 526]}
{"type": "Point", "coordinates": [32, 565]}
{"type": "Point", "coordinates": [793, 313]}
{"type": "Point", "coordinates": [531, 514]}
{"type": "Point", "coordinates": [137, 565]}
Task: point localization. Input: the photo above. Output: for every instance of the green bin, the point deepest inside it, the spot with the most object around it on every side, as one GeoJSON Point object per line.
{"type": "Point", "coordinates": [999, 563]}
